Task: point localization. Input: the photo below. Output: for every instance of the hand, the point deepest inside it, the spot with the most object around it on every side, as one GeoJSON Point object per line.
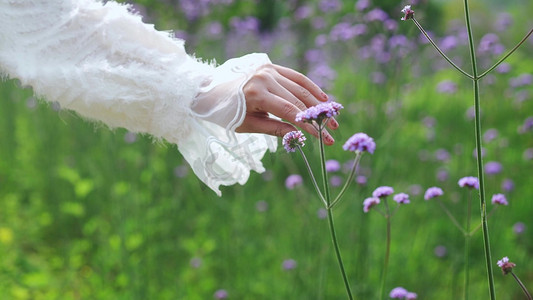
{"type": "Point", "coordinates": [284, 93]}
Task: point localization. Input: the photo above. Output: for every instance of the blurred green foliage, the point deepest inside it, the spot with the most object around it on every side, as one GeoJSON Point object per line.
{"type": "Point", "coordinates": [92, 213]}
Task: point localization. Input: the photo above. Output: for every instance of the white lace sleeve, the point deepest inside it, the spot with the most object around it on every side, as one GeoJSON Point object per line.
{"type": "Point", "coordinates": [102, 62]}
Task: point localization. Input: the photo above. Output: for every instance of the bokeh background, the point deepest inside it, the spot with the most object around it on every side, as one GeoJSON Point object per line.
{"type": "Point", "coordinates": [92, 213]}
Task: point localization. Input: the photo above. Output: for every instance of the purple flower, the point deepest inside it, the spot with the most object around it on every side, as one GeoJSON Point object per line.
{"type": "Point", "coordinates": [519, 228]}
{"type": "Point", "coordinates": [408, 13]}
{"type": "Point", "coordinates": [398, 293]}
{"type": "Point", "coordinates": [369, 202]}
{"type": "Point", "coordinates": [493, 167]}
{"type": "Point", "coordinates": [411, 296]}
{"type": "Point", "coordinates": [360, 142]}
{"type": "Point", "coordinates": [293, 181]}
{"type": "Point", "coordinates": [289, 264]}
{"type": "Point", "coordinates": [490, 135]}
{"type": "Point", "coordinates": [499, 199]}
{"type": "Point", "coordinates": [329, 5]}
{"type": "Point", "coordinates": [506, 265]}
{"type": "Point", "coordinates": [322, 213]}
{"type": "Point", "coordinates": [440, 251]}
{"type": "Point", "coordinates": [528, 125]}
{"type": "Point", "coordinates": [221, 294]}
{"type": "Point", "coordinates": [293, 140]}
{"type": "Point", "coordinates": [376, 15]}
{"type": "Point", "coordinates": [401, 198]}
{"type": "Point", "coordinates": [362, 4]}
{"type": "Point", "coordinates": [442, 174]}
{"type": "Point", "coordinates": [433, 192]}
{"type": "Point", "coordinates": [447, 87]}
{"type": "Point", "coordinates": [448, 43]}
{"type": "Point", "coordinates": [319, 112]}
{"type": "Point", "coordinates": [335, 181]}
{"type": "Point", "coordinates": [303, 12]}
{"type": "Point", "coordinates": [332, 165]}
{"type": "Point", "coordinates": [361, 180]}
{"type": "Point", "coordinates": [442, 155]}
{"type": "Point", "coordinates": [382, 191]}
{"type": "Point", "coordinates": [469, 182]}
{"type": "Point", "coordinates": [503, 68]}
{"type": "Point", "coordinates": [507, 185]}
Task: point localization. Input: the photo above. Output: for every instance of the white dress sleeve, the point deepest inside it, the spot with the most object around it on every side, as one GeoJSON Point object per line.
{"type": "Point", "coordinates": [104, 63]}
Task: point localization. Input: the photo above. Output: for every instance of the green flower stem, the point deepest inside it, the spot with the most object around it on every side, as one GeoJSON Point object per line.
{"type": "Point", "coordinates": [467, 245]}
{"type": "Point", "coordinates": [506, 55]}
{"type": "Point", "coordinates": [440, 51]}
{"type": "Point", "coordinates": [452, 218]}
{"type": "Point", "coordinates": [330, 217]}
{"type": "Point", "coordinates": [387, 250]}
{"type": "Point", "coordinates": [315, 184]}
{"type": "Point", "coordinates": [484, 225]}
{"type": "Point", "coordinates": [491, 212]}
{"type": "Point", "coordinates": [528, 295]}
{"type": "Point", "coordinates": [348, 181]}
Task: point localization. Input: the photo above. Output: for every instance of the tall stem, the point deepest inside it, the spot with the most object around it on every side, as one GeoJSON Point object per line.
{"type": "Point", "coordinates": [330, 217]}
{"type": "Point", "coordinates": [313, 179]}
{"type": "Point", "coordinates": [467, 245]}
{"type": "Point", "coordinates": [440, 51]}
{"type": "Point", "coordinates": [483, 205]}
{"type": "Point", "coordinates": [387, 250]}
{"type": "Point", "coordinates": [522, 286]}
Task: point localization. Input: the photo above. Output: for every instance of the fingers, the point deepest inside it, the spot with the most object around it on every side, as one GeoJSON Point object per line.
{"type": "Point", "coordinates": [303, 81]}
{"type": "Point", "coordinates": [263, 124]}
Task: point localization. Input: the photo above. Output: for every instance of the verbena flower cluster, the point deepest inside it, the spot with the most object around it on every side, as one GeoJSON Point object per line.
{"type": "Point", "coordinates": [506, 265]}
{"type": "Point", "coordinates": [382, 191]}
{"type": "Point", "coordinates": [499, 199]}
{"type": "Point", "coordinates": [360, 142]}
{"type": "Point", "coordinates": [402, 293]}
{"type": "Point", "coordinates": [369, 202]}
{"type": "Point", "coordinates": [293, 140]}
{"type": "Point", "coordinates": [319, 112]}
{"type": "Point", "coordinates": [408, 13]}
{"type": "Point", "coordinates": [469, 182]}
{"type": "Point", "coordinates": [433, 192]}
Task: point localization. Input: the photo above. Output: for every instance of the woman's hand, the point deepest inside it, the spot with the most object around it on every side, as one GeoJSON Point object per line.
{"type": "Point", "coordinates": [284, 93]}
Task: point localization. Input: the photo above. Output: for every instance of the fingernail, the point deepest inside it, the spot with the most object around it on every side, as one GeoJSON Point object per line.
{"type": "Point", "coordinates": [324, 96]}
{"type": "Point", "coordinates": [334, 123]}
{"type": "Point", "coordinates": [330, 139]}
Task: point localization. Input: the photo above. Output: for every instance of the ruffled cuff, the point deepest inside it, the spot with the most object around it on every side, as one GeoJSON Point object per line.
{"type": "Point", "coordinates": [217, 154]}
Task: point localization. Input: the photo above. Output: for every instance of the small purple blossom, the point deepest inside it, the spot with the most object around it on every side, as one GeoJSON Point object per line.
{"type": "Point", "coordinates": [401, 198]}
{"type": "Point", "coordinates": [433, 192]}
{"type": "Point", "coordinates": [289, 264]}
{"type": "Point", "coordinates": [221, 294]}
{"type": "Point", "coordinates": [319, 112]}
{"type": "Point", "coordinates": [376, 14]}
{"type": "Point", "coordinates": [493, 167]}
{"type": "Point", "coordinates": [440, 251]}
{"type": "Point", "coordinates": [293, 181]}
{"type": "Point", "coordinates": [499, 199]}
{"type": "Point", "coordinates": [361, 180]}
{"type": "Point", "coordinates": [490, 135]}
{"type": "Point", "coordinates": [398, 293]}
{"type": "Point", "coordinates": [506, 265]}
{"type": "Point", "coordinates": [507, 185]}
{"type": "Point", "coordinates": [447, 87]}
{"type": "Point", "coordinates": [519, 228]}
{"type": "Point", "coordinates": [411, 296]}
{"type": "Point", "coordinates": [332, 165]}
{"type": "Point", "coordinates": [469, 182]}
{"type": "Point", "coordinates": [369, 202]}
{"type": "Point", "coordinates": [322, 213]}
{"type": "Point", "coordinates": [360, 142]}
{"type": "Point", "coordinates": [382, 191]}
{"type": "Point", "coordinates": [335, 181]}
{"type": "Point", "coordinates": [293, 140]}
{"type": "Point", "coordinates": [408, 13]}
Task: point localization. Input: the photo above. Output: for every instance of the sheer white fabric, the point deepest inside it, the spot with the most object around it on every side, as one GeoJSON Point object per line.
{"type": "Point", "coordinates": [104, 63]}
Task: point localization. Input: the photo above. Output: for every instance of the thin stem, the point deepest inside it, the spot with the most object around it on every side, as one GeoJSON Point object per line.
{"type": "Point", "coordinates": [315, 184]}
{"type": "Point", "coordinates": [348, 181]}
{"type": "Point", "coordinates": [467, 244]}
{"type": "Point", "coordinates": [387, 250]}
{"type": "Point", "coordinates": [440, 51]}
{"type": "Point", "coordinates": [484, 225]}
{"type": "Point", "coordinates": [506, 55]}
{"type": "Point", "coordinates": [528, 295]}
{"type": "Point", "coordinates": [452, 218]}
{"type": "Point", "coordinates": [330, 217]}
{"type": "Point", "coordinates": [491, 212]}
